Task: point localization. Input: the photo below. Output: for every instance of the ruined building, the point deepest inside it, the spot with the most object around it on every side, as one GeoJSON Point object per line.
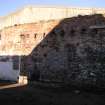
{"type": "Point", "coordinates": [56, 44]}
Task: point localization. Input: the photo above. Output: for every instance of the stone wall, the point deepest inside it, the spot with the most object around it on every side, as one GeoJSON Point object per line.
{"type": "Point", "coordinates": [71, 53]}
{"type": "Point", "coordinates": [66, 51]}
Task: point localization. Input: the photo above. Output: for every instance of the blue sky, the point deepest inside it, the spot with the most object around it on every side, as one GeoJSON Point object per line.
{"type": "Point", "coordinates": [8, 6]}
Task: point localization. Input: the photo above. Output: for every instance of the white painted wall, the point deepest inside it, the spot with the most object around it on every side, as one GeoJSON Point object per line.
{"type": "Point", "coordinates": [7, 72]}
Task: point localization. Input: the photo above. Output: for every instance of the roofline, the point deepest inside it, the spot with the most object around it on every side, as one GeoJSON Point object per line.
{"type": "Point", "coordinates": [48, 6]}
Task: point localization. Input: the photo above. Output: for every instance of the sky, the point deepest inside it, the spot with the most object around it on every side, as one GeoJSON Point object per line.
{"type": "Point", "coordinates": [9, 6]}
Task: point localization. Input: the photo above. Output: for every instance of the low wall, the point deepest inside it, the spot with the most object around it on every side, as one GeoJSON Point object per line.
{"type": "Point", "coordinates": [9, 68]}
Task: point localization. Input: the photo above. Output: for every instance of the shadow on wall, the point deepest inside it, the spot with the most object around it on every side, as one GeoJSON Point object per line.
{"type": "Point", "coordinates": [71, 53]}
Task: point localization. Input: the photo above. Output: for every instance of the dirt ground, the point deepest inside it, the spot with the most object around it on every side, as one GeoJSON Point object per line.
{"type": "Point", "coordinates": [33, 94]}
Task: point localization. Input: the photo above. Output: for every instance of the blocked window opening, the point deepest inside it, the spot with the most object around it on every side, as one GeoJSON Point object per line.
{"type": "Point", "coordinates": [44, 35]}
{"type": "Point", "coordinates": [35, 35]}
{"type": "Point", "coordinates": [62, 33]}
{"type": "Point", "coordinates": [94, 32]}
{"type": "Point", "coordinates": [15, 24]}
{"type": "Point", "coordinates": [45, 55]}
{"type": "Point", "coordinates": [72, 33]}
{"type": "Point", "coordinates": [22, 36]}
{"type": "Point", "coordinates": [27, 35]}
{"type": "Point", "coordinates": [0, 36]}
{"type": "Point", "coordinates": [83, 31]}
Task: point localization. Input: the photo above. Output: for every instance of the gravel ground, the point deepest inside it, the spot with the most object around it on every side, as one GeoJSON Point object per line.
{"type": "Point", "coordinates": [35, 94]}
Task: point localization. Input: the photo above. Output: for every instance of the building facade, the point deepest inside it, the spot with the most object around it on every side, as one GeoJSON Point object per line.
{"type": "Point", "coordinates": [55, 44]}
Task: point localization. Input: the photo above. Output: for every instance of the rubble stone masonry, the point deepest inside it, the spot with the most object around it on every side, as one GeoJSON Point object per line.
{"type": "Point", "coordinates": [61, 50]}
